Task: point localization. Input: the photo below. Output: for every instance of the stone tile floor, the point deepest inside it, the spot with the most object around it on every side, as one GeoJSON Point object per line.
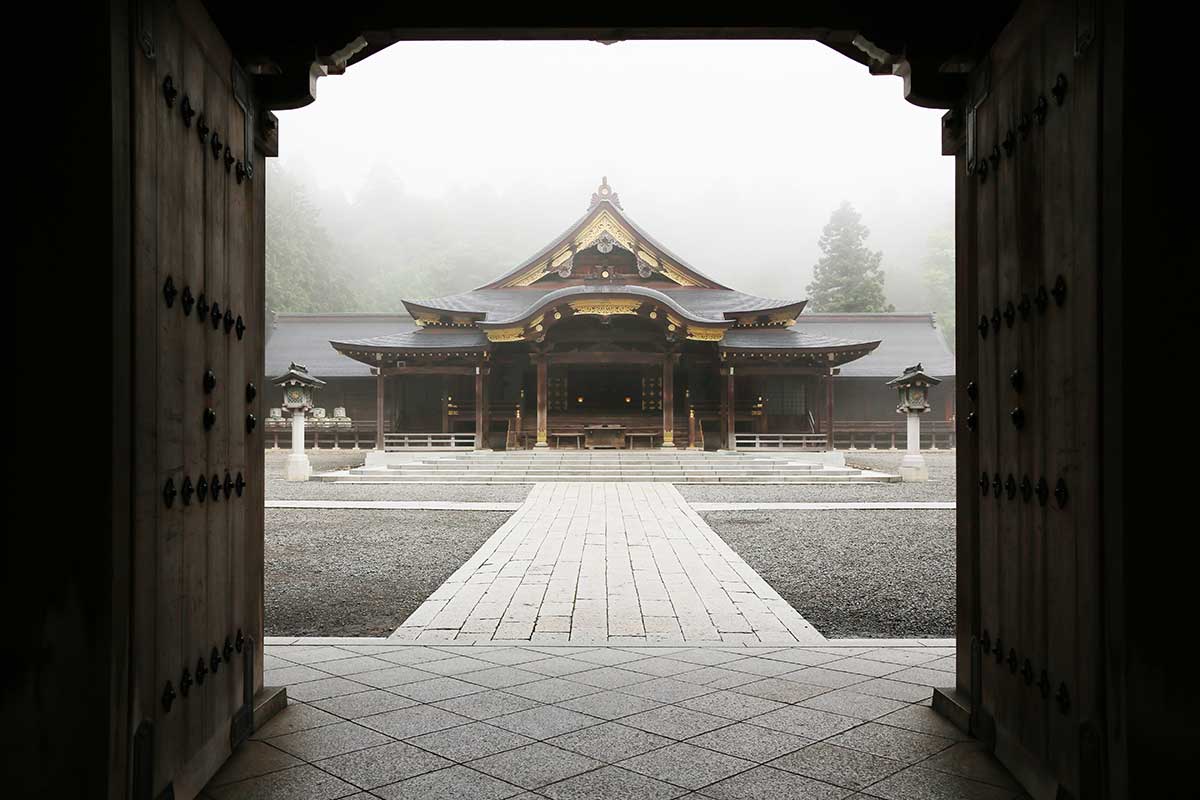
{"type": "Point", "coordinates": [613, 563]}
{"type": "Point", "coordinates": [374, 719]}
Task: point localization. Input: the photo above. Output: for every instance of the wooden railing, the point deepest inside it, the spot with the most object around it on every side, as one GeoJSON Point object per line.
{"type": "Point", "coordinates": [358, 434]}
{"type": "Point", "coordinates": [779, 441]}
{"type": "Point", "coordinates": [872, 435]}
{"type": "Point", "coordinates": [393, 442]}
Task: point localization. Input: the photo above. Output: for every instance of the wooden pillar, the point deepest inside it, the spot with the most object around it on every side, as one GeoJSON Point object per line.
{"type": "Point", "coordinates": [829, 410]}
{"type": "Point", "coordinates": [480, 411]}
{"type": "Point", "coordinates": [446, 398]}
{"type": "Point", "coordinates": [542, 402]}
{"type": "Point", "coordinates": [730, 427]}
{"type": "Point", "coordinates": [379, 410]}
{"type": "Point", "coordinates": [668, 401]}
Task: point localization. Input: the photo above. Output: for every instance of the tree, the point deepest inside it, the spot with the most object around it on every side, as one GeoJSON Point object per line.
{"type": "Point", "coordinates": [937, 273]}
{"type": "Point", "coordinates": [847, 278]}
{"type": "Point", "coordinates": [301, 270]}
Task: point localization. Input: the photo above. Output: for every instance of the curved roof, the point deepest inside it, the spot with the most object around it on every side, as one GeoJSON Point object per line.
{"type": "Point", "coordinates": [494, 306]}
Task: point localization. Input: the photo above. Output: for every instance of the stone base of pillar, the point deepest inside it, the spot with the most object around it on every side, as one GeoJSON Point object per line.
{"type": "Point", "coordinates": [667, 444]}
{"type": "Point", "coordinates": [298, 467]}
{"type": "Point", "coordinates": [913, 468]}
{"type": "Point", "coordinates": [542, 444]}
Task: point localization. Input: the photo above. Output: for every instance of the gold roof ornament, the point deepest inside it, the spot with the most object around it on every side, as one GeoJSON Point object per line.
{"type": "Point", "coordinates": [604, 192]}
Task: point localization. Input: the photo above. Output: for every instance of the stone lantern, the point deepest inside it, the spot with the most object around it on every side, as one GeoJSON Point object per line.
{"type": "Point", "coordinates": [913, 387]}
{"type": "Point", "coordinates": [299, 390]}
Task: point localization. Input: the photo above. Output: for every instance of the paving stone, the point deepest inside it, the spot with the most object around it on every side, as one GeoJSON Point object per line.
{"type": "Point", "coordinates": [452, 783]}
{"type": "Point", "coordinates": [485, 705]}
{"type": "Point", "coordinates": [436, 689]}
{"type": "Point", "coordinates": [507, 656]}
{"type": "Point", "coordinates": [718, 677]}
{"type": "Point", "coordinates": [295, 717]}
{"type": "Point", "coordinates": [608, 656]}
{"type": "Point", "coordinates": [304, 782]}
{"type": "Point", "coordinates": [292, 673]}
{"type": "Point", "coordinates": [471, 741]}
{"type": "Point", "coordinates": [544, 722]}
{"type": "Point", "coordinates": [898, 743]}
{"type": "Point", "coordinates": [314, 655]}
{"type": "Point", "coordinates": [666, 690]}
{"type": "Point", "coordinates": [768, 783]}
{"type": "Point", "coordinates": [558, 666]}
{"type": "Point", "coordinates": [864, 666]}
{"type": "Point", "coordinates": [731, 705]}
{"type": "Point", "coordinates": [917, 783]}
{"type": "Point", "coordinates": [351, 666]}
{"type": "Point", "coordinates": [455, 665]}
{"type": "Point", "coordinates": [611, 783]}
{"type": "Point", "coordinates": [411, 655]}
{"type": "Point", "coordinates": [763, 667]}
{"type": "Point", "coordinates": [392, 676]}
{"type": "Point", "coordinates": [686, 765]}
{"type": "Point", "coordinates": [708, 657]}
{"type": "Point", "coordinates": [842, 766]}
{"type": "Point", "coordinates": [903, 656]}
{"type": "Point", "coordinates": [610, 742]}
{"type": "Point", "coordinates": [807, 722]}
{"type": "Point", "coordinates": [414, 721]}
{"type": "Point", "coordinates": [535, 765]}
{"type": "Point", "coordinates": [250, 759]}
{"type": "Point", "coordinates": [802, 656]}
{"type": "Point", "coordinates": [746, 740]}
{"type": "Point", "coordinates": [377, 766]}
{"type": "Point", "coordinates": [676, 722]}
{"type": "Point", "coordinates": [610, 677]}
{"type": "Point", "coordinates": [924, 720]}
{"type": "Point", "coordinates": [362, 704]}
{"type": "Point", "coordinates": [660, 666]}
{"type": "Point", "coordinates": [822, 676]}
{"type": "Point", "coordinates": [972, 760]}
{"type": "Point", "coordinates": [328, 740]}
{"type": "Point", "coordinates": [850, 703]}
{"type": "Point", "coordinates": [552, 690]}
{"type": "Point", "coordinates": [326, 687]}
{"type": "Point", "coordinates": [895, 690]}
{"type": "Point", "coordinates": [781, 690]}
{"type": "Point", "coordinates": [501, 676]}
{"type": "Point", "coordinates": [609, 704]}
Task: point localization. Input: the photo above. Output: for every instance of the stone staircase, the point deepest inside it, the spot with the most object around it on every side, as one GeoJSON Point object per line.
{"type": "Point", "coordinates": [620, 465]}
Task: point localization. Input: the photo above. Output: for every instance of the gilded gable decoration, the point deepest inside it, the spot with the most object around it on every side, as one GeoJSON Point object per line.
{"type": "Point", "coordinates": [604, 192]}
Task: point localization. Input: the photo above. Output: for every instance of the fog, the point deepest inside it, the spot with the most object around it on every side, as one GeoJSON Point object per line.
{"type": "Point", "coordinates": [732, 154]}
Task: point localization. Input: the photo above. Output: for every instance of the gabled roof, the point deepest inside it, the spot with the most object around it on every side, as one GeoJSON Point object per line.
{"type": "Point", "coordinates": [604, 214]}
{"type": "Point", "coordinates": [905, 339]}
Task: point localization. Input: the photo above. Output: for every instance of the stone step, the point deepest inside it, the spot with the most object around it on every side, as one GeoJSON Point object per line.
{"type": "Point", "coordinates": [567, 477]}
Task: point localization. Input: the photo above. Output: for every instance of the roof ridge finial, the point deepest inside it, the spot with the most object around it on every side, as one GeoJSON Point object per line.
{"type": "Point", "coordinates": [604, 193]}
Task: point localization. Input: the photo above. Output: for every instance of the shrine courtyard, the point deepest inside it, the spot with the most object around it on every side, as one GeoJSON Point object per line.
{"type": "Point", "coordinates": [561, 640]}
{"type": "Point", "coordinates": [611, 562]}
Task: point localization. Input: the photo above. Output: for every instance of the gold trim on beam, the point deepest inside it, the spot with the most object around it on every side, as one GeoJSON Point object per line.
{"type": "Point", "coordinates": [605, 308]}
{"type": "Point", "coordinates": [516, 334]}
{"type": "Point", "coordinates": [705, 334]}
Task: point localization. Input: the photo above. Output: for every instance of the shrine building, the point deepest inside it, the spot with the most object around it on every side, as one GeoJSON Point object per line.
{"type": "Point", "coordinates": [604, 338]}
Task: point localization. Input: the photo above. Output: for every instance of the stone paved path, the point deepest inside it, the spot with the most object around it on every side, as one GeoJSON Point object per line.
{"type": "Point", "coordinates": [616, 563]}
{"type": "Point", "coordinates": [570, 722]}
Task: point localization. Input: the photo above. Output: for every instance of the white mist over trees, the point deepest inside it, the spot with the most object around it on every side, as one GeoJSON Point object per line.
{"type": "Point", "coordinates": [847, 278]}
{"type": "Point", "coordinates": [431, 168]}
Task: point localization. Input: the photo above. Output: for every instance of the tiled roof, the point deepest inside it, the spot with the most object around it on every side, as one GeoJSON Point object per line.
{"type": "Point", "coordinates": [905, 339]}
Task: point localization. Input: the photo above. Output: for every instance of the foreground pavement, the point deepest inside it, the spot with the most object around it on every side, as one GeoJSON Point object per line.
{"type": "Point", "coordinates": [371, 718]}
{"type": "Point", "coordinates": [602, 562]}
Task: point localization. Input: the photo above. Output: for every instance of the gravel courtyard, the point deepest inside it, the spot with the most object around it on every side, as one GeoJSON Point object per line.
{"type": "Point", "coordinates": [851, 573]}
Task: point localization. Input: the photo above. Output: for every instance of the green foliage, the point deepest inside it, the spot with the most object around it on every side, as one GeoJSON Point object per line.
{"type": "Point", "coordinates": [937, 273]}
{"type": "Point", "coordinates": [302, 273]}
{"type": "Point", "coordinates": [848, 277]}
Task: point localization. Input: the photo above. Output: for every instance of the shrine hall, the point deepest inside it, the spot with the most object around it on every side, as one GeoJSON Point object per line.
{"type": "Point", "coordinates": [604, 339]}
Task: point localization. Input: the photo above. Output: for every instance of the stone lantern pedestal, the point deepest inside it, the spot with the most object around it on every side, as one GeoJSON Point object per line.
{"type": "Point", "coordinates": [298, 389]}
{"type": "Point", "coordinates": [913, 386]}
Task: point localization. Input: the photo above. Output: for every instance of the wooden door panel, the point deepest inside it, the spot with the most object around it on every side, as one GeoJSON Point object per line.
{"type": "Point", "coordinates": [198, 538]}
{"type": "Point", "coordinates": [1030, 199]}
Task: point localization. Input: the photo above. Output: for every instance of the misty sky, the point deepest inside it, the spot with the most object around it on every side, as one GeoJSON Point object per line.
{"type": "Point", "coordinates": [733, 154]}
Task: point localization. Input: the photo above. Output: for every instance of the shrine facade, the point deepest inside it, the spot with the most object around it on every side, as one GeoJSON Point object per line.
{"type": "Point", "coordinates": [604, 338]}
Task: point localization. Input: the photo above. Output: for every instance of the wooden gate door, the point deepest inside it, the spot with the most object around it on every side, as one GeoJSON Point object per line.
{"type": "Point", "coordinates": [196, 628]}
{"type": "Point", "coordinates": [1028, 349]}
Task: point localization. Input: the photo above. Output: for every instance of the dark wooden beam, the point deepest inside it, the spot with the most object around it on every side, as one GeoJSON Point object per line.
{"type": "Point", "coordinates": [542, 402]}
{"type": "Point", "coordinates": [447, 370]}
{"type": "Point", "coordinates": [607, 357]}
{"type": "Point", "coordinates": [668, 400]}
